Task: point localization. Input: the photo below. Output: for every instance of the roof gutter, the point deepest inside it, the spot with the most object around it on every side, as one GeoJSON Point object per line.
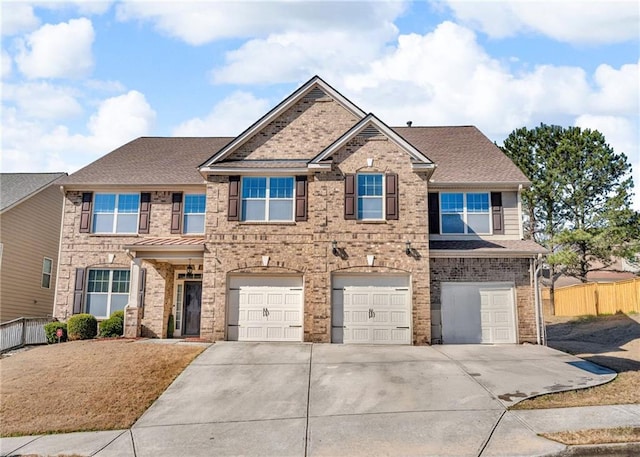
{"type": "Point", "coordinates": [471, 253]}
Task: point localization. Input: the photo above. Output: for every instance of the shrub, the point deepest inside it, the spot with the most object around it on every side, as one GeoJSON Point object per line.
{"type": "Point", "coordinates": [51, 329]}
{"type": "Point", "coordinates": [112, 326]}
{"type": "Point", "coordinates": [170, 327]}
{"type": "Point", "coordinates": [82, 327]}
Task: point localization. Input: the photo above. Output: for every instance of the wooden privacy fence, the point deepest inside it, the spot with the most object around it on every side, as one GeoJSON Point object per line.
{"type": "Point", "coordinates": [22, 331]}
{"type": "Point", "coordinates": [597, 298]}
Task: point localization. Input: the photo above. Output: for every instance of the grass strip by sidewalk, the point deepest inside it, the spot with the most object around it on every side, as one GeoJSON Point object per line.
{"type": "Point", "coordinates": [596, 436]}
{"type": "Point", "coordinates": [623, 390]}
{"type": "Point", "coordinates": [85, 385]}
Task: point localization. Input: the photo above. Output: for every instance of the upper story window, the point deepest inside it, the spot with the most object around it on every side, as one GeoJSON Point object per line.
{"type": "Point", "coordinates": [47, 268]}
{"type": "Point", "coordinates": [370, 197]}
{"type": "Point", "coordinates": [465, 213]}
{"type": "Point", "coordinates": [107, 291]}
{"type": "Point", "coordinates": [194, 211]}
{"type": "Point", "coordinates": [267, 199]}
{"type": "Point", "coordinates": [116, 213]}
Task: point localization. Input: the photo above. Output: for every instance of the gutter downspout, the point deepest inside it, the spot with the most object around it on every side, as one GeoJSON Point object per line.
{"type": "Point", "coordinates": [540, 327]}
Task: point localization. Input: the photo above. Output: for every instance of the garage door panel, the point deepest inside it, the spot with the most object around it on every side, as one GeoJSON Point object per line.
{"type": "Point", "coordinates": [262, 312]}
{"type": "Point", "coordinates": [371, 313]}
{"type": "Point", "coordinates": [478, 313]}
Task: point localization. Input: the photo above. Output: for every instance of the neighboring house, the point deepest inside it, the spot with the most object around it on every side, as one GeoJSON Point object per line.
{"type": "Point", "coordinates": [317, 223]}
{"type": "Point", "coordinates": [30, 216]}
{"type": "Point", "coordinates": [619, 270]}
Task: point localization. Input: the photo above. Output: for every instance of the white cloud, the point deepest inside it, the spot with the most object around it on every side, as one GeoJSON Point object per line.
{"type": "Point", "coordinates": [57, 51]}
{"type": "Point", "coordinates": [41, 100]}
{"type": "Point", "coordinates": [29, 145]}
{"type": "Point", "coordinates": [227, 118]}
{"type": "Point", "coordinates": [17, 17]}
{"type": "Point", "coordinates": [211, 21]}
{"type": "Point", "coordinates": [7, 64]}
{"type": "Point", "coordinates": [572, 21]}
{"type": "Point", "coordinates": [616, 89]}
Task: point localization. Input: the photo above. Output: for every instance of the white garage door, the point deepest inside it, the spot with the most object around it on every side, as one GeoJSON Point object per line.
{"type": "Point", "coordinates": [265, 308]}
{"type": "Point", "coordinates": [478, 313]}
{"type": "Point", "coordinates": [371, 309]}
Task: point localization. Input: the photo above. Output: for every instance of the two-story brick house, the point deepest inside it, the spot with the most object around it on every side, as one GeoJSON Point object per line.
{"type": "Point", "coordinates": [317, 223]}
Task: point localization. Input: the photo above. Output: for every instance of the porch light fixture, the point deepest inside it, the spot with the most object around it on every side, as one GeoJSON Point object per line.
{"type": "Point", "coordinates": [407, 249]}
{"type": "Point", "coordinates": [411, 252]}
{"type": "Point", "coordinates": [334, 248]}
{"type": "Point", "coordinates": [189, 270]}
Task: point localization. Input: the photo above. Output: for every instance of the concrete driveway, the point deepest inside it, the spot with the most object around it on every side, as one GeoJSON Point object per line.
{"type": "Point", "coordinates": [327, 400]}
{"type": "Point", "coordinates": [261, 399]}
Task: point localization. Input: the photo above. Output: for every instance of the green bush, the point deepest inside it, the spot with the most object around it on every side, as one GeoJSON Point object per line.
{"type": "Point", "coordinates": [82, 327]}
{"type": "Point", "coordinates": [113, 326]}
{"type": "Point", "coordinates": [170, 327]}
{"type": "Point", "coordinates": [51, 329]}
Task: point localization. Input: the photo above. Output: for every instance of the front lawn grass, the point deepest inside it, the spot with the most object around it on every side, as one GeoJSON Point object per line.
{"type": "Point", "coordinates": [623, 390]}
{"type": "Point", "coordinates": [85, 385]}
{"type": "Point", "coordinates": [597, 436]}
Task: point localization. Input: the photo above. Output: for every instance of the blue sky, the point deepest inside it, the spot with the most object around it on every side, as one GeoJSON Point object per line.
{"type": "Point", "coordinates": [82, 78]}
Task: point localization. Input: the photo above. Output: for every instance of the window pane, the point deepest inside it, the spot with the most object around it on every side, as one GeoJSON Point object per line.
{"type": "Point", "coordinates": [452, 223]}
{"type": "Point", "coordinates": [97, 305]}
{"type": "Point", "coordinates": [120, 281]}
{"type": "Point", "coordinates": [127, 223]}
{"type": "Point", "coordinates": [46, 266]}
{"type": "Point", "coordinates": [281, 188]}
{"type": "Point", "coordinates": [104, 203]}
{"type": "Point", "coordinates": [281, 210]}
{"type": "Point", "coordinates": [98, 281]}
{"type": "Point", "coordinates": [103, 223]}
{"type": "Point", "coordinates": [194, 223]}
{"type": "Point", "coordinates": [477, 203]}
{"type": "Point", "coordinates": [370, 185]}
{"type": "Point", "coordinates": [369, 208]}
{"type": "Point", "coordinates": [118, 302]}
{"type": "Point", "coordinates": [194, 204]}
{"type": "Point", "coordinates": [46, 280]}
{"type": "Point", "coordinates": [128, 203]}
{"type": "Point", "coordinates": [254, 187]}
{"type": "Point", "coordinates": [451, 203]}
{"type": "Point", "coordinates": [253, 210]}
{"type": "Point", "coordinates": [478, 223]}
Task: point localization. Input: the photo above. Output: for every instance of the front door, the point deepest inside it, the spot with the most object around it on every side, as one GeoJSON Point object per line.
{"type": "Point", "coordinates": [192, 307]}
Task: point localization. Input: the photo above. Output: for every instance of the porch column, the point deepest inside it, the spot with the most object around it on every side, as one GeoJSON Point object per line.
{"type": "Point", "coordinates": [133, 312]}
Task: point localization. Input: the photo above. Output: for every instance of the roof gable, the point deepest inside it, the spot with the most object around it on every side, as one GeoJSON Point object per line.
{"type": "Point", "coordinates": [17, 187]}
{"type": "Point", "coordinates": [313, 85]}
{"type": "Point", "coordinates": [370, 125]}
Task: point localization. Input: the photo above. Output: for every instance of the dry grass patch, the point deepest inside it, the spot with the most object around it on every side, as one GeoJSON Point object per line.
{"type": "Point", "coordinates": [597, 436]}
{"type": "Point", "coordinates": [623, 390]}
{"type": "Point", "coordinates": [85, 385]}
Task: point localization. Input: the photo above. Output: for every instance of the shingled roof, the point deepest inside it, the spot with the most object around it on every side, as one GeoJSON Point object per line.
{"type": "Point", "coordinates": [150, 161]}
{"type": "Point", "coordinates": [15, 187]}
{"type": "Point", "coordinates": [463, 155]}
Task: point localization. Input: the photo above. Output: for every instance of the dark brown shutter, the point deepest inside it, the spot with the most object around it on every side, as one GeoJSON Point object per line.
{"type": "Point", "coordinates": [145, 212]}
{"type": "Point", "coordinates": [78, 291]}
{"type": "Point", "coordinates": [233, 212]}
{"type": "Point", "coordinates": [85, 212]}
{"type": "Point", "coordinates": [350, 196]}
{"type": "Point", "coordinates": [301, 198]}
{"type": "Point", "coordinates": [142, 282]}
{"type": "Point", "coordinates": [176, 212]}
{"type": "Point", "coordinates": [391, 195]}
{"type": "Point", "coordinates": [434, 213]}
{"type": "Point", "coordinates": [496, 213]}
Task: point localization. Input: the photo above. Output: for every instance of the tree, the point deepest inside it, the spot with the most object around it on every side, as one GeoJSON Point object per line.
{"type": "Point", "coordinates": [578, 205]}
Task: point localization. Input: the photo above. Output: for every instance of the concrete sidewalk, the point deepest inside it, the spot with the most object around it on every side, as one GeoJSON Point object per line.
{"type": "Point", "coordinates": [325, 400]}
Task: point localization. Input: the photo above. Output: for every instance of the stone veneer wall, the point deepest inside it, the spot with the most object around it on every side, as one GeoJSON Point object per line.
{"type": "Point", "coordinates": [514, 270]}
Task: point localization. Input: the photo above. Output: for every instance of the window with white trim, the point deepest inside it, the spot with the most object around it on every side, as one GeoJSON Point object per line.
{"type": "Point", "coordinates": [194, 211]}
{"type": "Point", "coordinates": [370, 196]}
{"type": "Point", "coordinates": [465, 213]}
{"type": "Point", "coordinates": [107, 291]}
{"type": "Point", "coordinates": [267, 198]}
{"type": "Point", "coordinates": [116, 213]}
{"type": "Point", "coordinates": [47, 268]}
